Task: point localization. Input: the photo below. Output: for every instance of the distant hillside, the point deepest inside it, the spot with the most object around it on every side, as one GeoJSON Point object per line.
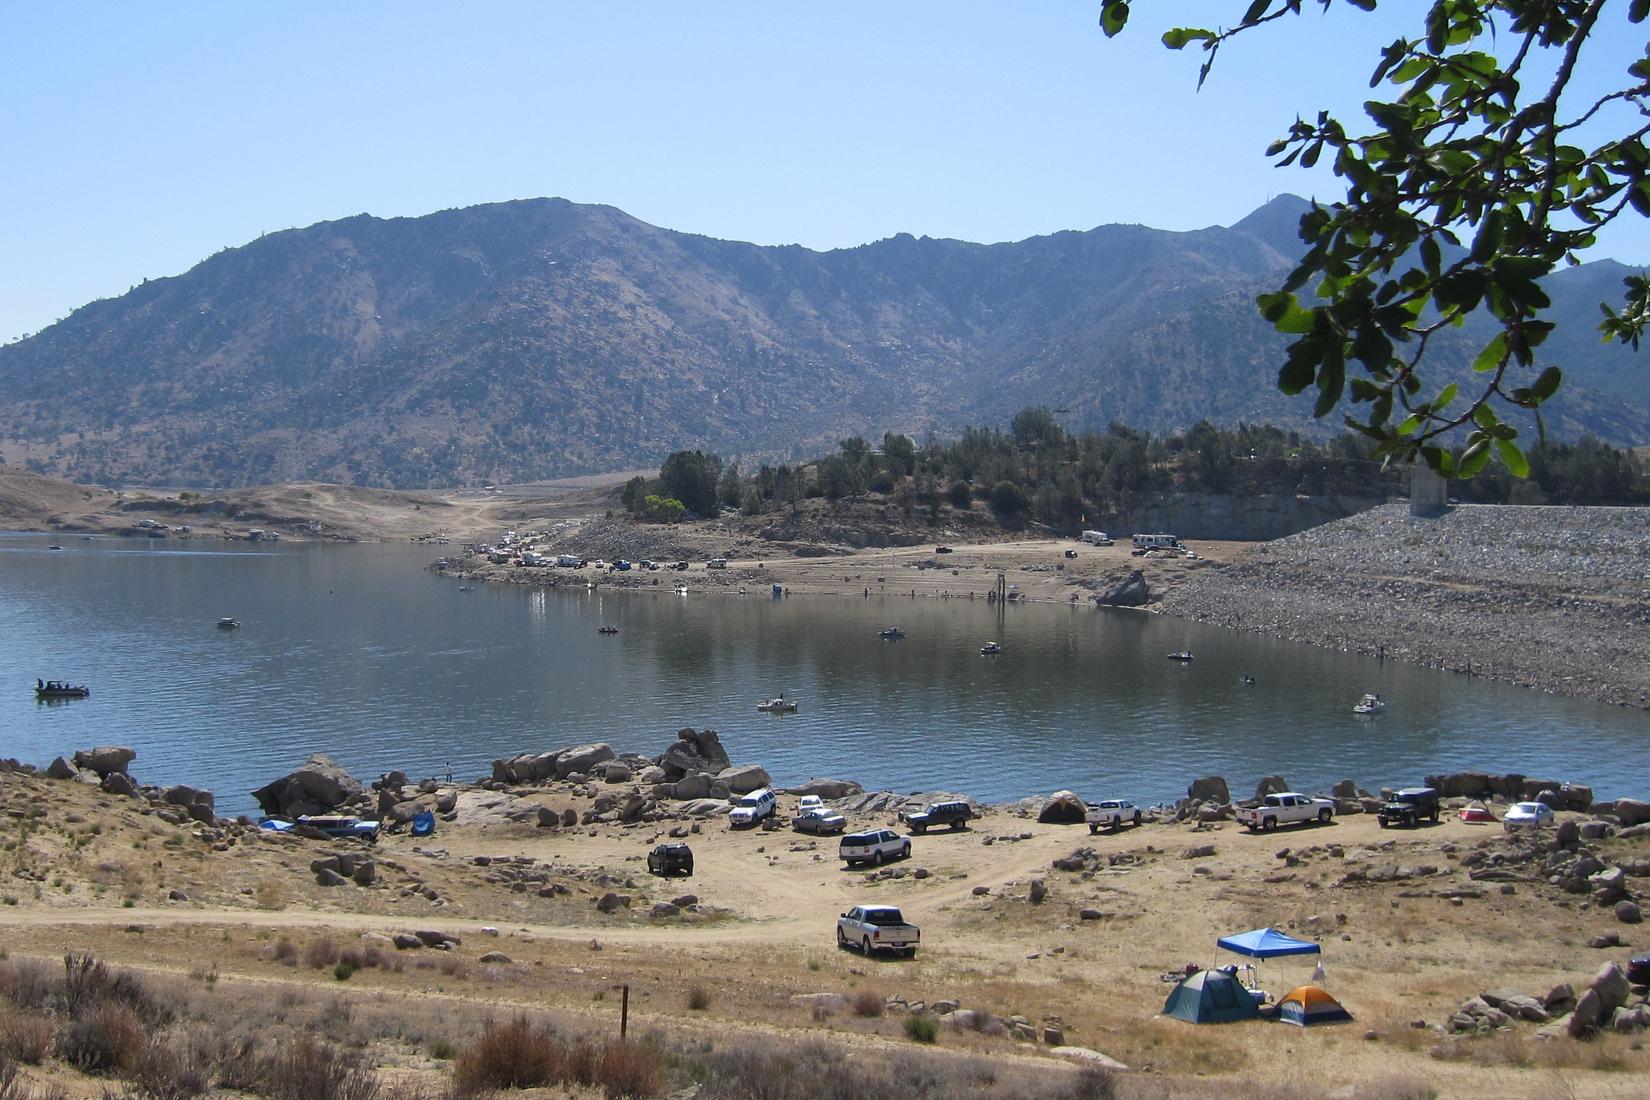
{"type": "Point", "coordinates": [541, 338]}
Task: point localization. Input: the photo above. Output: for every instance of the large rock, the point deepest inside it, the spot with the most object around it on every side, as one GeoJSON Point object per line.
{"type": "Point", "coordinates": [695, 751]}
{"type": "Point", "coordinates": [1629, 811]}
{"type": "Point", "coordinates": [693, 785]}
{"type": "Point", "coordinates": [198, 803]}
{"type": "Point", "coordinates": [1273, 784]}
{"type": "Point", "coordinates": [61, 769]}
{"type": "Point", "coordinates": [743, 779]}
{"type": "Point", "coordinates": [105, 760]}
{"type": "Point", "coordinates": [119, 783]}
{"type": "Point", "coordinates": [1062, 808]}
{"type": "Point", "coordinates": [1129, 590]}
{"type": "Point", "coordinates": [583, 759]}
{"type": "Point", "coordinates": [1211, 788]}
{"type": "Point", "coordinates": [320, 785]}
{"type": "Point", "coordinates": [827, 788]}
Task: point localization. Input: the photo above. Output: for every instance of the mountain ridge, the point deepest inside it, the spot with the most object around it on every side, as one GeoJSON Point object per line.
{"type": "Point", "coordinates": [540, 337]}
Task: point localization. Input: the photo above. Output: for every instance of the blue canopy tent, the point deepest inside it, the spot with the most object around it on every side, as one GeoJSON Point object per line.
{"type": "Point", "coordinates": [1266, 943]}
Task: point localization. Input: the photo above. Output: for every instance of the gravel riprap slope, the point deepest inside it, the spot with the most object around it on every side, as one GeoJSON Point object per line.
{"type": "Point", "coordinates": [1552, 598]}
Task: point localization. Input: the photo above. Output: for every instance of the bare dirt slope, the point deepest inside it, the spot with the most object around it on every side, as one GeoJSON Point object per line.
{"type": "Point", "coordinates": [92, 871]}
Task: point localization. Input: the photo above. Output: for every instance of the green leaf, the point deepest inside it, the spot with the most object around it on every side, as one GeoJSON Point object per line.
{"type": "Point", "coordinates": [1547, 384]}
{"type": "Point", "coordinates": [1512, 458]}
{"type": "Point", "coordinates": [1474, 458]}
{"type": "Point", "coordinates": [1176, 38]}
{"type": "Point", "coordinates": [1445, 396]}
{"type": "Point", "coordinates": [1114, 15]}
{"type": "Point", "coordinates": [1493, 355]}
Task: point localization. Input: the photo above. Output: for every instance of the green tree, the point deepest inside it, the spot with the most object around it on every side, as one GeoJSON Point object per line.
{"type": "Point", "coordinates": [663, 509]}
{"type": "Point", "coordinates": [635, 493]}
{"type": "Point", "coordinates": [691, 477]}
{"type": "Point", "coordinates": [899, 454]}
{"type": "Point", "coordinates": [1471, 187]}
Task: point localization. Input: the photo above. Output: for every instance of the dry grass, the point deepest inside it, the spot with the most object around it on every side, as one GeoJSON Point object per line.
{"type": "Point", "coordinates": [27, 1035]}
{"type": "Point", "coordinates": [869, 1004]}
{"type": "Point", "coordinates": [320, 953]}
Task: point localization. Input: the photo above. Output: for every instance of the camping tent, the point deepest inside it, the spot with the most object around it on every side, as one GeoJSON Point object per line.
{"type": "Point", "coordinates": [1307, 1005]}
{"type": "Point", "coordinates": [1266, 943]}
{"type": "Point", "coordinates": [1210, 997]}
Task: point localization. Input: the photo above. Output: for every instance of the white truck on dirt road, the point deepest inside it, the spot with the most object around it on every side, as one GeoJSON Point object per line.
{"type": "Point", "coordinates": [1111, 813]}
{"type": "Point", "coordinates": [1287, 808]}
{"type": "Point", "coordinates": [877, 928]}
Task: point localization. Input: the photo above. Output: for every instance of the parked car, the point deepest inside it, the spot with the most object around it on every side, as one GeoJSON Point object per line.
{"type": "Point", "coordinates": [877, 928]}
{"type": "Point", "coordinates": [1286, 808]}
{"type": "Point", "coordinates": [1111, 813]}
{"type": "Point", "coordinates": [1409, 806]}
{"type": "Point", "coordinates": [1526, 815]}
{"type": "Point", "coordinates": [821, 821]}
{"type": "Point", "coordinates": [873, 847]}
{"type": "Point", "coordinates": [752, 808]}
{"type": "Point", "coordinates": [670, 859]}
{"type": "Point", "coordinates": [1638, 970]}
{"type": "Point", "coordinates": [954, 814]}
{"type": "Point", "coordinates": [717, 563]}
{"type": "Point", "coordinates": [1071, 553]}
{"type": "Point", "coordinates": [942, 549]}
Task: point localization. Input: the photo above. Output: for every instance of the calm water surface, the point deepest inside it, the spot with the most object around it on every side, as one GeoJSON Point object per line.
{"type": "Point", "coordinates": [359, 652]}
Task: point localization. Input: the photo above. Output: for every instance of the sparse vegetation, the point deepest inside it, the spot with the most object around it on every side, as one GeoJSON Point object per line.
{"type": "Point", "coordinates": [922, 1029]}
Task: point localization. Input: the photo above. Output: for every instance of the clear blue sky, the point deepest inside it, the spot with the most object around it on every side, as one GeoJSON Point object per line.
{"type": "Point", "coordinates": [139, 138]}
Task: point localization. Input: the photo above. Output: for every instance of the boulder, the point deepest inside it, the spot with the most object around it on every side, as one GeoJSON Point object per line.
{"type": "Point", "coordinates": [610, 902]}
{"type": "Point", "coordinates": [583, 759]}
{"type": "Point", "coordinates": [1062, 808]}
{"type": "Point", "coordinates": [320, 785]}
{"type": "Point", "coordinates": [1211, 788]}
{"type": "Point", "coordinates": [495, 957]}
{"type": "Point", "coordinates": [617, 772]}
{"type": "Point", "coordinates": [119, 783]}
{"type": "Point", "coordinates": [664, 909]}
{"type": "Point", "coordinates": [198, 803]}
{"type": "Point", "coordinates": [61, 769]}
{"type": "Point", "coordinates": [548, 818]}
{"type": "Point", "coordinates": [365, 873]}
{"type": "Point", "coordinates": [695, 751]}
{"type": "Point", "coordinates": [105, 760]}
{"type": "Point", "coordinates": [1629, 811]}
{"type": "Point", "coordinates": [1567, 835]}
{"type": "Point", "coordinates": [1346, 788]}
{"type": "Point", "coordinates": [1628, 912]}
{"type": "Point", "coordinates": [1612, 988]}
{"type": "Point", "coordinates": [1128, 590]}
{"type": "Point", "coordinates": [827, 788]}
{"type": "Point", "coordinates": [1272, 784]}
{"type": "Point", "coordinates": [1560, 998]}
{"type": "Point", "coordinates": [1037, 892]}
{"type": "Point", "coordinates": [744, 779]}
{"type": "Point", "coordinates": [326, 876]}
{"type": "Point", "coordinates": [652, 774]}
{"type": "Point", "coordinates": [406, 941]}
{"type": "Point", "coordinates": [691, 786]}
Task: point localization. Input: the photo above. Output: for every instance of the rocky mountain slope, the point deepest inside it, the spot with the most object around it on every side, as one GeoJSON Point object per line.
{"type": "Point", "coordinates": [537, 338]}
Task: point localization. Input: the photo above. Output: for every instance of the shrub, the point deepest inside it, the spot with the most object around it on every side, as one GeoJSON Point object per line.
{"type": "Point", "coordinates": [922, 1029]}
{"type": "Point", "coordinates": [87, 983]}
{"type": "Point", "coordinates": [442, 1050]}
{"type": "Point", "coordinates": [343, 971]}
{"type": "Point", "coordinates": [107, 1038]}
{"type": "Point", "coordinates": [286, 952]}
{"type": "Point", "coordinates": [868, 1003]}
{"type": "Point", "coordinates": [698, 998]}
{"type": "Point", "coordinates": [307, 1070]}
{"type": "Point", "coordinates": [26, 1036]}
{"type": "Point", "coordinates": [630, 1070]}
{"type": "Point", "coordinates": [511, 1055]}
{"type": "Point", "coordinates": [27, 984]}
{"type": "Point", "coordinates": [321, 952]}
{"type": "Point", "coordinates": [170, 1071]}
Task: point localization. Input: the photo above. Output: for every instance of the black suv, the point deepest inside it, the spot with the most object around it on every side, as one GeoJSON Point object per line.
{"type": "Point", "coordinates": [1409, 806]}
{"type": "Point", "coordinates": [954, 814]}
{"type": "Point", "coordinates": [670, 859]}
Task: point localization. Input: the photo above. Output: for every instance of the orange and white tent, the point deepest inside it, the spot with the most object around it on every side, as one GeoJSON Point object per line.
{"type": "Point", "coordinates": [1307, 1005]}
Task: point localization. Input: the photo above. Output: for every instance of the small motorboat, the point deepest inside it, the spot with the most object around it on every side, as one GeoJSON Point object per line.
{"type": "Point", "coordinates": [54, 547]}
{"type": "Point", "coordinates": [1182, 655]}
{"type": "Point", "coordinates": [991, 647]}
{"type": "Point", "coordinates": [466, 588]}
{"type": "Point", "coordinates": [57, 689]}
{"type": "Point", "coordinates": [607, 630]}
{"type": "Point", "coordinates": [1248, 680]}
{"type": "Point", "coordinates": [229, 622]}
{"type": "Point", "coordinates": [681, 590]}
{"type": "Point", "coordinates": [1370, 703]}
{"type": "Point", "coordinates": [1477, 813]}
{"type": "Point", "coordinates": [778, 705]}
{"type": "Point", "coordinates": [890, 632]}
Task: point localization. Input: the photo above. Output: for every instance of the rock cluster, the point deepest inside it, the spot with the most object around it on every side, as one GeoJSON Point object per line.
{"type": "Point", "coordinates": [398, 801]}
{"type": "Point", "coordinates": [106, 767]}
{"type": "Point", "coordinates": [1513, 787]}
{"type": "Point", "coordinates": [1608, 1002]}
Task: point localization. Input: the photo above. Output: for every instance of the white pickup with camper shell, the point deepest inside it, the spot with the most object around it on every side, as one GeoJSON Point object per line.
{"type": "Point", "coordinates": [1286, 808]}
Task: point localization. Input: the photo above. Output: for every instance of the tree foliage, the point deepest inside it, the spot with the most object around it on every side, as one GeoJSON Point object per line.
{"type": "Point", "coordinates": [692, 477]}
{"type": "Point", "coordinates": [1476, 181]}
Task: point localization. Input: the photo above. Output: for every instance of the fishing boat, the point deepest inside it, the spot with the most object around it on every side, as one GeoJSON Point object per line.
{"type": "Point", "coordinates": [681, 590]}
{"type": "Point", "coordinates": [1248, 680]}
{"type": "Point", "coordinates": [778, 705]}
{"type": "Point", "coordinates": [607, 630]}
{"type": "Point", "coordinates": [1369, 703]}
{"type": "Point", "coordinates": [890, 632]}
{"type": "Point", "coordinates": [991, 647]}
{"type": "Point", "coordinates": [1182, 655]}
{"type": "Point", "coordinates": [57, 689]}
{"type": "Point", "coordinates": [229, 622]}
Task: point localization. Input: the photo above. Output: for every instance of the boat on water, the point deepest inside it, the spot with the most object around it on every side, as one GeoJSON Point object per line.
{"type": "Point", "coordinates": [229, 622]}
{"type": "Point", "coordinates": [991, 647]}
{"type": "Point", "coordinates": [1369, 703]}
{"type": "Point", "coordinates": [57, 689]}
{"type": "Point", "coordinates": [607, 630]}
{"type": "Point", "coordinates": [1248, 680]}
{"type": "Point", "coordinates": [890, 632]}
{"type": "Point", "coordinates": [681, 590]}
{"type": "Point", "coordinates": [778, 705]}
{"type": "Point", "coordinates": [1182, 655]}
{"type": "Point", "coordinates": [54, 547]}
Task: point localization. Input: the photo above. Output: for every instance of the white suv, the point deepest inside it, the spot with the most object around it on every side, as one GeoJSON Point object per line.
{"type": "Point", "coordinates": [752, 808]}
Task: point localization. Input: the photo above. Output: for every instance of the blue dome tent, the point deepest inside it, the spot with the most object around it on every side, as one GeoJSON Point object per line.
{"type": "Point", "coordinates": [1210, 997]}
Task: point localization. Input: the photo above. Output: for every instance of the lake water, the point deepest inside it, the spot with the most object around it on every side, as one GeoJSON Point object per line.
{"type": "Point", "coordinates": [360, 652]}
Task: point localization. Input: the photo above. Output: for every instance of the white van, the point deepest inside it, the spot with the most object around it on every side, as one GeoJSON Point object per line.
{"type": "Point", "coordinates": [717, 563]}
{"type": "Point", "coordinates": [1096, 538]}
{"type": "Point", "coordinates": [1156, 542]}
{"type": "Point", "coordinates": [752, 808]}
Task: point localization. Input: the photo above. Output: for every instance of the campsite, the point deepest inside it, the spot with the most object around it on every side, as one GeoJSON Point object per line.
{"type": "Point", "coordinates": [1222, 995]}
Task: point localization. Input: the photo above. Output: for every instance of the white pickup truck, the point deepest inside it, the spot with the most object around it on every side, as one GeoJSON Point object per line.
{"type": "Point", "coordinates": [1111, 813]}
{"type": "Point", "coordinates": [1287, 808]}
{"type": "Point", "coordinates": [877, 928]}
{"type": "Point", "coordinates": [873, 848]}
